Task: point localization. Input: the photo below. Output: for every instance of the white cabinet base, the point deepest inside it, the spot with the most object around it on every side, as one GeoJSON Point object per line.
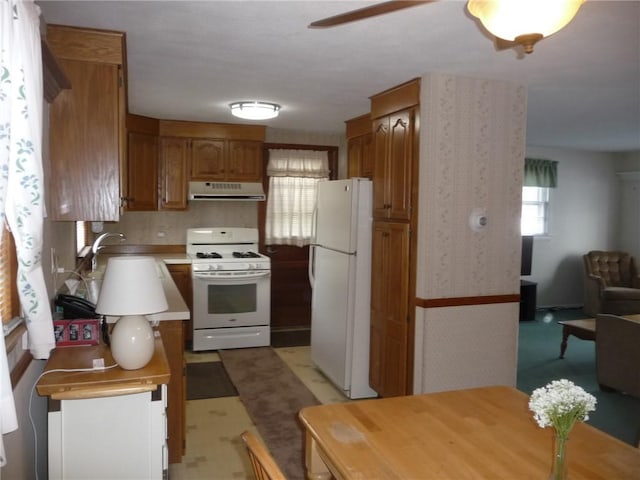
{"type": "Point", "coordinates": [121, 437]}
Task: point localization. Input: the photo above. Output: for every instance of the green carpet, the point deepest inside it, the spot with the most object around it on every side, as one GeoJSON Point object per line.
{"type": "Point", "coordinates": [539, 363]}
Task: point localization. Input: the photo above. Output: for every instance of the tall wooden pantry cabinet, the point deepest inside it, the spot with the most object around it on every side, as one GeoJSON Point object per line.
{"type": "Point", "coordinates": [394, 114]}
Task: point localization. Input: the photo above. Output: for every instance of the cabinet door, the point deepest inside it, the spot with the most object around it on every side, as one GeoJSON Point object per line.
{"type": "Point", "coordinates": [245, 161]}
{"type": "Point", "coordinates": [173, 173]}
{"type": "Point", "coordinates": [207, 159]}
{"type": "Point", "coordinates": [172, 334]}
{"type": "Point", "coordinates": [400, 158]}
{"type": "Point", "coordinates": [366, 160]}
{"type": "Point", "coordinates": [354, 156]}
{"type": "Point", "coordinates": [84, 144]}
{"type": "Point", "coordinates": [142, 172]}
{"type": "Point", "coordinates": [380, 150]}
{"type": "Point", "coordinates": [389, 309]}
{"type": "Point", "coordinates": [181, 275]}
{"type": "Point", "coordinates": [393, 161]}
{"type": "Point", "coordinates": [360, 156]}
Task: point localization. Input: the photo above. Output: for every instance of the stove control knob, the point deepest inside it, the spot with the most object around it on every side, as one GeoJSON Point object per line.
{"type": "Point", "coordinates": [252, 266]}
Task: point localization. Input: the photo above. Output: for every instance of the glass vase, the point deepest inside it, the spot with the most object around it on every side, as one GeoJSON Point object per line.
{"type": "Point", "coordinates": [559, 470]}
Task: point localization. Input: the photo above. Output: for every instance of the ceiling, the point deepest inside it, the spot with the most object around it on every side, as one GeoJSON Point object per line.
{"type": "Point", "coordinates": [189, 60]}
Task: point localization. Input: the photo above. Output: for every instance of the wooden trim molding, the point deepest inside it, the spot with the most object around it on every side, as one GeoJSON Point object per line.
{"type": "Point", "coordinates": [20, 367]}
{"type": "Point", "coordinates": [395, 99]}
{"type": "Point", "coordinates": [12, 342]}
{"type": "Point", "coordinates": [229, 131]}
{"type": "Point", "coordinates": [358, 126]}
{"type": "Point", "coordinates": [86, 44]}
{"type": "Point", "coordinates": [463, 301]}
{"type": "Point", "coordinates": [54, 80]}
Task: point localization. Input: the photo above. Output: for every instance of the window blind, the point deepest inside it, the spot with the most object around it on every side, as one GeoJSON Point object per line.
{"type": "Point", "coordinates": [8, 267]}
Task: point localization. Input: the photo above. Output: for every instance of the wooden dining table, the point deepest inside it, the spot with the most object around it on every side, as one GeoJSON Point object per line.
{"type": "Point", "coordinates": [480, 433]}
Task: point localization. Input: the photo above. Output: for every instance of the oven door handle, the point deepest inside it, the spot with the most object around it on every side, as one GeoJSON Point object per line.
{"type": "Point", "coordinates": [236, 276]}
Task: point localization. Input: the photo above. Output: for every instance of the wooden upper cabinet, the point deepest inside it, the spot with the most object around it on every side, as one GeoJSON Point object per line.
{"type": "Point", "coordinates": [141, 193]}
{"type": "Point", "coordinates": [226, 160]}
{"type": "Point", "coordinates": [220, 152]}
{"type": "Point", "coordinates": [393, 154]}
{"type": "Point", "coordinates": [87, 125]}
{"type": "Point", "coordinates": [174, 160]}
{"type": "Point", "coordinates": [400, 164]}
{"type": "Point", "coordinates": [394, 149]}
{"type": "Point", "coordinates": [142, 160]}
{"type": "Point", "coordinates": [359, 147]}
{"type": "Point", "coordinates": [208, 159]}
{"type": "Point", "coordinates": [245, 161]}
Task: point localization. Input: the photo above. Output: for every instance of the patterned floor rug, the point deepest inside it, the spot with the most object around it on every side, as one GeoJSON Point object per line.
{"type": "Point", "coordinates": [273, 395]}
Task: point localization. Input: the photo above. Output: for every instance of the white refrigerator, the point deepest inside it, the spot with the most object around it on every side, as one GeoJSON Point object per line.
{"type": "Point", "coordinates": [340, 276]}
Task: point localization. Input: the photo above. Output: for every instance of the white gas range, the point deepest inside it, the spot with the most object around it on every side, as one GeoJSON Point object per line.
{"type": "Point", "coordinates": [231, 288]}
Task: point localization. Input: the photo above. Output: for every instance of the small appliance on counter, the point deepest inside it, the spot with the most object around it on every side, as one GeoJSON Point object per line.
{"type": "Point", "coordinates": [72, 306]}
{"type": "Point", "coordinates": [79, 325]}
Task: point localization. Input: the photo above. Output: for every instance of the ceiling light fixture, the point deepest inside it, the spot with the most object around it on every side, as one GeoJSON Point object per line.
{"type": "Point", "coordinates": [524, 21]}
{"type": "Point", "coordinates": [255, 110]}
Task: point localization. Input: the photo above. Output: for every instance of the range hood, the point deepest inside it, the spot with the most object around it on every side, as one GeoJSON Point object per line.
{"type": "Point", "coordinates": [213, 191]}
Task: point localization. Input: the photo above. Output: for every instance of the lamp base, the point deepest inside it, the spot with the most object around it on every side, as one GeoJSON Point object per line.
{"type": "Point", "coordinates": [132, 342]}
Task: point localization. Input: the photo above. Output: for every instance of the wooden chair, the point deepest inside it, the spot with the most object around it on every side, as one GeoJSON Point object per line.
{"type": "Point", "coordinates": [264, 466]}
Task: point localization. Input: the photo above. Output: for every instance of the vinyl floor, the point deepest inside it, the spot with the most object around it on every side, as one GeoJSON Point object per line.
{"type": "Point", "coordinates": [215, 452]}
{"type": "Point", "coordinates": [214, 449]}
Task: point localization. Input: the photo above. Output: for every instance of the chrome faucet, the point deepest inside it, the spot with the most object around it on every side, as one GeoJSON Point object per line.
{"type": "Point", "coordinates": [97, 246]}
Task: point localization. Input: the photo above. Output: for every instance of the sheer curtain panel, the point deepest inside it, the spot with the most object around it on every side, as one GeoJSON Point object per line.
{"type": "Point", "coordinates": [21, 180]}
{"type": "Point", "coordinates": [293, 178]}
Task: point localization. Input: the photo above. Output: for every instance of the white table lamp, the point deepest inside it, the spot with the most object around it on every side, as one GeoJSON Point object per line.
{"type": "Point", "coordinates": [131, 288]}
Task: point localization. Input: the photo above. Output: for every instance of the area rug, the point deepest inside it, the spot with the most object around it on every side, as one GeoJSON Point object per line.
{"type": "Point", "coordinates": [273, 395]}
{"type": "Point", "coordinates": [208, 380]}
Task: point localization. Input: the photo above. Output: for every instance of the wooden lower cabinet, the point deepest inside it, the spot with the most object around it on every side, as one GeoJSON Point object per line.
{"type": "Point", "coordinates": [172, 334]}
{"type": "Point", "coordinates": [181, 275]}
{"type": "Point", "coordinates": [388, 368]}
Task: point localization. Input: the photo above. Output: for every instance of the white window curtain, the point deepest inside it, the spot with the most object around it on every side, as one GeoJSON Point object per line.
{"type": "Point", "coordinates": [293, 179]}
{"type": "Point", "coordinates": [21, 180]}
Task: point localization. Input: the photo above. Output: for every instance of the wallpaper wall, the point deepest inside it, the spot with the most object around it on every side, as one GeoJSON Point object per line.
{"type": "Point", "coordinates": [472, 141]}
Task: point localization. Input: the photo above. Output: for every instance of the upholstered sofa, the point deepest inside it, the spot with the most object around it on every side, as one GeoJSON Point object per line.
{"type": "Point", "coordinates": [617, 354]}
{"type": "Point", "coordinates": [611, 283]}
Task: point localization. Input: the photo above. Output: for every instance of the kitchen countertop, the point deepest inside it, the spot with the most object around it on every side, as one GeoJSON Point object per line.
{"type": "Point", "coordinates": [67, 385]}
{"type": "Point", "coordinates": [175, 258]}
{"type": "Point", "coordinates": [177, 307]}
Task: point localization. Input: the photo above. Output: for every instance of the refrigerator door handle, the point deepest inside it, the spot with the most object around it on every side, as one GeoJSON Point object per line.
{"type": "Point", "coordinates": [312, 261]}
{"type": "Point", "coordinates": [314, 223]}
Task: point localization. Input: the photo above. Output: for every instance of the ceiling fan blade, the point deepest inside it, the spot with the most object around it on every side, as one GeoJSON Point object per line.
{"type": "Point", "coordinates": [366, 12]}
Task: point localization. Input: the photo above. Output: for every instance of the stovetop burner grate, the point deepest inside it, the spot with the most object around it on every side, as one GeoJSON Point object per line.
{"type": "Point", "coordinates": [208, 255]}
{"type": "Point", "coordinates": [246, 255]}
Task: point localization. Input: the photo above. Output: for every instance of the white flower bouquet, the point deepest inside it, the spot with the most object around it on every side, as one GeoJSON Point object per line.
{"type": "Point", "coordinates": [560, 405]}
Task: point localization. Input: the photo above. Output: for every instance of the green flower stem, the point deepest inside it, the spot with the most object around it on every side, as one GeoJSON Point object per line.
{"type": "Point", "coordinates": [559, 467]}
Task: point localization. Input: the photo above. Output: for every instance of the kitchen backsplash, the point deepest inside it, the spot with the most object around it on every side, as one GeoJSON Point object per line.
{"type": "Point", "coordinates": [169, 228]}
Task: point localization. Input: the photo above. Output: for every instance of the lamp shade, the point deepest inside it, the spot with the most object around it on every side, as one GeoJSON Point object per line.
{"type": "Point", "coordinates": [131, 286]}
{"type": "Point", "coordinates": [254, 110]}
{"type": "Point", "coordinates": [510, 19]}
